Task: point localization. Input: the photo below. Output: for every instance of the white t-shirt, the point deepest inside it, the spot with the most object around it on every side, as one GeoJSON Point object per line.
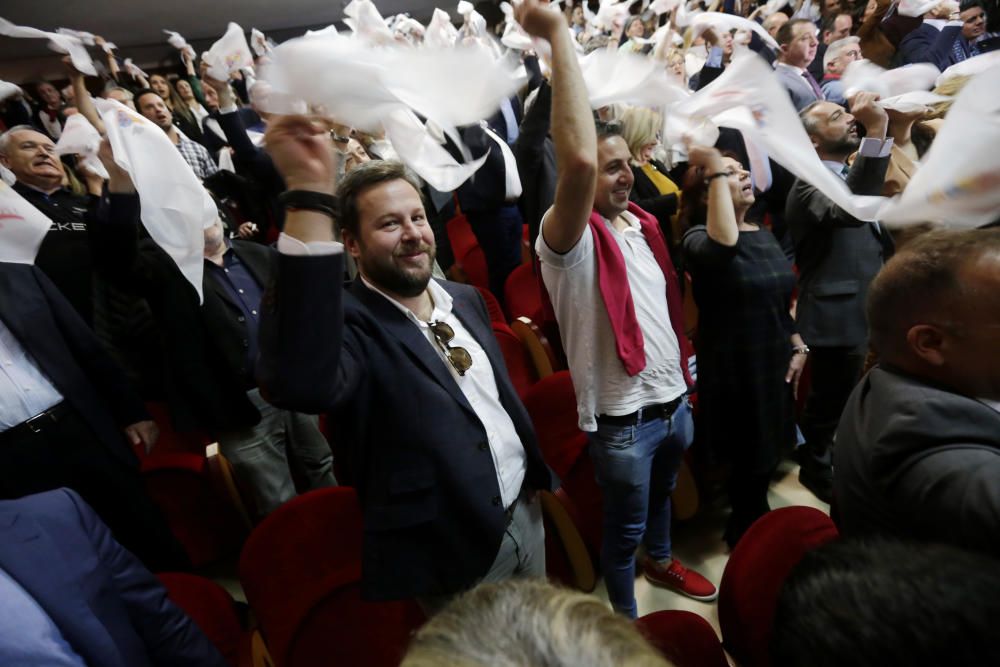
{"type": "Point", "coordinates": [602, 386]}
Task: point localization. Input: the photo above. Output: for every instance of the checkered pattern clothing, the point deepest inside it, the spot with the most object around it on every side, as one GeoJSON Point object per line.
{"type": "Point", "coordinates": [745, 408]}
{"type": "Point", "coordinates": [197, 156]}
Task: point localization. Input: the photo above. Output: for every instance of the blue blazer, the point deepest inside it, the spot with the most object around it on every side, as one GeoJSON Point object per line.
{"type": "Point", "coordinates": [433, 516]}
{"type": "Point", "coordinates": [107, 606]}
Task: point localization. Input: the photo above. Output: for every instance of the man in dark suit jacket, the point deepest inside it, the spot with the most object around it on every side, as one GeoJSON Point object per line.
{"type": "Point", "coordinates": [837, 256]}
{"type": "Point", "coordinates": [918, 447]}
{"type": "Point", "coordinates": [444, 452]}
{"type": "Point", "coordinates": [71, 595]}
{"type": "Point", "coordinates": [63, 406]}
{"type": "Point", "coordinates": [210, 348]}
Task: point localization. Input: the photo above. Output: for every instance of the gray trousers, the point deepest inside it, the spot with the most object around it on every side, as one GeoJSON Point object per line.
{"type": "Point", "coordinates": [260, 454]}
{"type": "Point", "coordinates": [521, 553]}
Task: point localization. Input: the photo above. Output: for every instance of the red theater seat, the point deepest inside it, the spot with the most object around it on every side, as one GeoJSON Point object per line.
{"type": "Point", "coordinates": [522, 293]}
{"type": "Point", "coordinates": [301, 571]}
{"type": "Point", "coordinates": [756, 570]}
{"type": "Point", "coordinates": [516, 357]}
{"type": "Point", "coordinates": [492, 306]}
{"type": "Point", "coordinates": [684, 638]}
{"type": "Point", "coordinates": [211, 608]}
{"type": "Point", "coordinates": [205, 523]}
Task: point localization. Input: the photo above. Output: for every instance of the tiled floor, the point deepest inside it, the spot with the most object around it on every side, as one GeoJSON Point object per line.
{"type": "Point", "coordinates": [698, 543]}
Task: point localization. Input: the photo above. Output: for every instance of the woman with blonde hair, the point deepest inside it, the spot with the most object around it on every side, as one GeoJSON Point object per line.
{"type": "Point", "coordinates": [652, 190]}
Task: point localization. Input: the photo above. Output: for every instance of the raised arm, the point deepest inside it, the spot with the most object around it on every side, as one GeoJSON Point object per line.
{"type": "Point", "coordinates": [304, 361]}
{"type": "Point", "coordinates": [84, 103]}
{"type": "Point", "coordinates": [721, 220]}
{"type": "Point", "coordinates": [573, 130]}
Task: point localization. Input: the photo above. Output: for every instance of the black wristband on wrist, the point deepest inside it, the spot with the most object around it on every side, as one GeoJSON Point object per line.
{"type": "Point", "coordinates": [310, 201]}
{"type": "Point", "coordinates": [718, 174]}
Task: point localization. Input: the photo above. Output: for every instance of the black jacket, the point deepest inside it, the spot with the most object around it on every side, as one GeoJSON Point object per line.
{"type": "Point", "coordinates": [70, 355]}
{"type": "Point", "coordinates": [433, 516]}
{"type": "Point", "coordinates": [204, 345]}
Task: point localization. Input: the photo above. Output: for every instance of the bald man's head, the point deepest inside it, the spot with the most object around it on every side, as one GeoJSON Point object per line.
{"type": "Point", "coordinates": [934, 310]}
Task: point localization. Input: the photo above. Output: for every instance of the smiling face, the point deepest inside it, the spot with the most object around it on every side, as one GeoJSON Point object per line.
{"type": "Point", "coordinates": [48, 94]}
{"type": "Point", "coordinates": [635, 28]}
{"type": "Point", "coordinates": [614, 177]}
{"type": "Point", "coordinates": [394, 247]}
{"type": "Point", "coordinates": [31, 156]}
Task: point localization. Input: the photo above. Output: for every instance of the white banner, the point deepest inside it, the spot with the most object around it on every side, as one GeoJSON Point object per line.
{"type": "Point", "coordinates": [176, 208]}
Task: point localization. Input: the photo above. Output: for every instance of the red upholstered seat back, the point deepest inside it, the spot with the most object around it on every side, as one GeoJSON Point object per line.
{"type": "Point", "coordinates": [301, 570]}
{"type": "Point", "coordinates": [516, 357]}
{"type": "Point", "coordinates": [492, 306]}
{"type": "Point", "coordinates": [473, 262]}
{"type": "Point", "coordinates": [460, 235]}
{"type": "Point", "coordinates": [551, 402]}
{"type": "Point", "coordinates": [522, 293]}
{"type": "Point", "coordinates": [207, 527]}
{"type": "Point", "coordinates": [210, 607]}
{"type": "Point", "coordinates": [756, 570]}
{"type": "Point", "coordinates": [685, 638]}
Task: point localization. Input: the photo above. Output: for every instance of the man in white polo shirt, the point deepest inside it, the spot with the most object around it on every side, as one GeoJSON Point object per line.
{"type": "Point", "coordinates": [614, 290]}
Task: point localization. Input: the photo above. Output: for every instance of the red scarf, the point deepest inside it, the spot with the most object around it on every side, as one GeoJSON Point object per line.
{"type": "Point", "coordinates": [617, 296]}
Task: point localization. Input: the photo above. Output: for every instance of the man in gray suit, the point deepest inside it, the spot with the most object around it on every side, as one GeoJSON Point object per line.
{"type": "Point", "coordinates": [797, 43]}
{"type": "Point", "coordinates": [837, 256]}
{"type": "Point", "coordinates": [918, 447]}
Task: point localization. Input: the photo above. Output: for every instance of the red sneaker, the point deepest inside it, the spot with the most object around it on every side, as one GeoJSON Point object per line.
{"type": "Point", "coordinates": [678, 578]}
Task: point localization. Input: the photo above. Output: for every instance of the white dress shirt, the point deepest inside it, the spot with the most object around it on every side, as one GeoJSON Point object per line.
{"type": "Point", "coordinates": [24, 389]}
{"type": "Point", "coordinates": [478, 384]}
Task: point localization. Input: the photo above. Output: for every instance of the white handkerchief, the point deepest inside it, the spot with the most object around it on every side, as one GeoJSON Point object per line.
{"type": "Point", "coordinates": [865, 75]}
{"type": "Point", "coordinates": [913, 102]}
{"type": "Point", "coordinates": [60, 43]}
{"type": "Point", "coordinates": [958, 183]}
{"type": "Point", "coordinates": [229, 54]}
{"type": "Point", "coordinates": [616, 77]}
{"type": "Point", "coordinates": [367, 23]}
{"type": "Point", "coordinates": [22, 227]}
{"type": "Point", "coordinates": [259, 42]}
{"type": "Point", "coordinates": [9, 90]}
{"type": "Point", "coordinates": [176, 208]}
{"type": "Point", "coordinates": [914, 8]}
{"type": "Point", "coordinates": [175, 40]}
{"type": "Point", "coordinates": [727, 22]}
{"type": "Point", "coordinates": [422, 153]}
{"type": "Point", "coordinates": [85, 37]}
{"type": "Point", "coordinates": [440, 31]}
{"type": "Point", "coordinates": [970, 66]}
{"type": "Point", "coordinates": [79, 137]}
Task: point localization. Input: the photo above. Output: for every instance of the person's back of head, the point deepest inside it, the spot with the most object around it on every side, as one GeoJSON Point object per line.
{"type": "Point", "coordinates": [529, 623]}
{"type": "Point", "coordinates": [934, 310]}
{"type": "Point", "coordinates": [883, 603]}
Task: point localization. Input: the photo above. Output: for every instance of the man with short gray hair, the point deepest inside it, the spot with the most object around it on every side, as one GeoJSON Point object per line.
{"type": "Point", "coordinates": [64, 255]}
{"type": "Point", "coordinates": [836, 59]}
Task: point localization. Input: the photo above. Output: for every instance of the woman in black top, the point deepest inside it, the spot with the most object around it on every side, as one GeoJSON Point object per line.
{"type": "Point", "coordinates": [749, 355]}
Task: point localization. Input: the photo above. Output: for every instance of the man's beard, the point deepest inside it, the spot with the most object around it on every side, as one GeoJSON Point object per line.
{"type": "Point", "coordinates": [387, 275]}
{"type": "Point", "coordinates": [846, 144]}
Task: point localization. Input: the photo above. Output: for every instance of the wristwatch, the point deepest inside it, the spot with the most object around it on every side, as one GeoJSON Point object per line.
{"type": "Point", "coordinates": [800, 349]}
{"type": "Point", "coordinates": [309, 200]}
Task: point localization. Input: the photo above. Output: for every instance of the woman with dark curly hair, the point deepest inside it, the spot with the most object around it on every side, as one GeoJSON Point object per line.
{"type": "Point", "coordinates": [749, 355]}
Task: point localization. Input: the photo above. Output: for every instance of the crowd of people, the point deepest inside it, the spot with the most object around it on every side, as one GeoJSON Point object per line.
{"type": "Point", "coordinates": [868, 352]}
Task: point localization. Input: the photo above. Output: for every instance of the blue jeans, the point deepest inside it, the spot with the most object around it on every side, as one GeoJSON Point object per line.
{"type": "Point", "coordinates": [636, 468]}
